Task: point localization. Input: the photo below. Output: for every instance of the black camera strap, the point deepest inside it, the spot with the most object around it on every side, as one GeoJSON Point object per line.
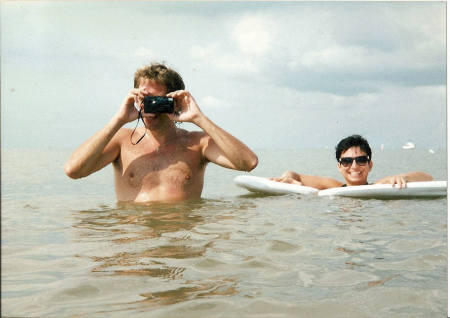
{"type": "Point", "coordinates": [137, 123]}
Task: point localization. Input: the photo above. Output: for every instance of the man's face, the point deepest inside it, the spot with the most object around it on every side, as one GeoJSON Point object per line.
{"type": "Point", "coordinates": [151, 88]}
{"type": "Point", "coordinates": [355, 174]}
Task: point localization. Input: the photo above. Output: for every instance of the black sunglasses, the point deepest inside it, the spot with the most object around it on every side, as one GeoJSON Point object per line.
{"type": "Point", "coordinates": [348, 161]}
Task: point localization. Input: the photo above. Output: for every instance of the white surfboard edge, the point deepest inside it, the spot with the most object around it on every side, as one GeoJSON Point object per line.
{"type": "Point", "coordinates": [424, 189]}
{"type": "Point", "coordinates": [413, 189]}
{"type": "Point", "coordinates": [264, 185]}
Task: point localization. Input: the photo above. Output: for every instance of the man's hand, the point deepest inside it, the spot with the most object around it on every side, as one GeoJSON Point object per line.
{"type": "Point", "coordinates": [186, 108]}
{"type": "Point", "coordinates": [218, 146]}
{"type": "Point", "coordinates": [127, 111]}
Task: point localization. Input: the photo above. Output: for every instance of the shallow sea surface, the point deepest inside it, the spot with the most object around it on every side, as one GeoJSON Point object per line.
{"type": "Point", "coordinates": [69, 250]}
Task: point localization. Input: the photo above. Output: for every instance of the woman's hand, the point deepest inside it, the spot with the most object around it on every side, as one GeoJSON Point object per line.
{"type": "Point", "coordinates": [399, 179]}
{"type": "Point", "coordinates": [289, 177]}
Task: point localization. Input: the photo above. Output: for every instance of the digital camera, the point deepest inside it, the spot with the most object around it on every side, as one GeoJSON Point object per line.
{"type": "Point", "coordinates": [158, 104]}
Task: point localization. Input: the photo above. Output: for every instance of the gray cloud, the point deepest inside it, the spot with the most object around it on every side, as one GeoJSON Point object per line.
{"type": "Point", "coordinates": [341, 49]}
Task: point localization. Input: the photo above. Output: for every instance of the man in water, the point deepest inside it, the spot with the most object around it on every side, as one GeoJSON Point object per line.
{"type": "Point", "coordinates": [169, 163]}
{"type": "Point", "coordinates": [354, 161]}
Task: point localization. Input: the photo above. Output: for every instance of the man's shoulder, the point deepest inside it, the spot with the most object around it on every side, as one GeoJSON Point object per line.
{"type": "Point", "coordinates": [124, 136]}
{"type": "Point", "coordinates": [192, 139]}
{"type": "Point", "coordinates": [190, 135]}
{"type": "Point", "coordinates": [124, 130]}
{"type": "Point", "coordinates": [124, 133]}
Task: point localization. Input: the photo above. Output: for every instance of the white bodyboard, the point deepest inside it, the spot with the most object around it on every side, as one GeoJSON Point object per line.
{"type": "Point", "coordinates": [264, 185]}
{"type": "Point", "coordinates": [424, 189]}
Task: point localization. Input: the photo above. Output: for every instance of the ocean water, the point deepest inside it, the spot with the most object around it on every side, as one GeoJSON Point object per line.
{"type": "Point", "coordinates": [69, 250]}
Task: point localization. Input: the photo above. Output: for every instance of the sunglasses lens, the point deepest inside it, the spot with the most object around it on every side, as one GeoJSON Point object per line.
{"type": "Point", "coordinates": [361, 160]}
{"type": "Point", "coordinates": [346, 161]}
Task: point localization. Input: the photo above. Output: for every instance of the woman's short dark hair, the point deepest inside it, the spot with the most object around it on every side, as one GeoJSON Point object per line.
{"type": "Point", "coordinates": [353, 141]}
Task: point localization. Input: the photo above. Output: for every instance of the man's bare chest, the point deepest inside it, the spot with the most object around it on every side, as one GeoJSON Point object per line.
{"type": "Point", "coordinates": [171, 166]}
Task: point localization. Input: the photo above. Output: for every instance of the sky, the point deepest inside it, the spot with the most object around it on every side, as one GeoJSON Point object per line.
{"type": "Point", "coordinates": [274, 74]}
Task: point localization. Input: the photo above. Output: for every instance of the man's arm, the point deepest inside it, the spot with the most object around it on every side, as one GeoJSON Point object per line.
{"type": "Point", "coordinates": [103, 147]}
{"type": "Point", "coordinates": [402, 179]}
{"type": "Point", "coordinates": [317, 182]}
{"type": "Point", "coordinates": [225, 150]}
{"type": "Point", "coordinates": [95, 153]}
{"type": "Point", "coordinates": [219, 146]}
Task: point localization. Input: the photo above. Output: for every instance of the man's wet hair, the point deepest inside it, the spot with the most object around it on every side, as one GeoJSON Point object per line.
{"type": "Point", "coordinates": [161, 74]}
{"type": "Point", "coordinates": [353, 141]}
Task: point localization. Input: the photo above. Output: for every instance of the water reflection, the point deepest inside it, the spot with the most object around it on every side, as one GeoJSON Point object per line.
{"type": "Point", "coordinates": [157, 242]}
{"type": "Point", "coordinates": [126, 225]}
{"type": "Point", "coordinates": [200, 289]}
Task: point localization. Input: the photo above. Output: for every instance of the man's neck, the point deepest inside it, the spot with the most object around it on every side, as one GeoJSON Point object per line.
{"type": "Point", "coordinates": [162, 134]}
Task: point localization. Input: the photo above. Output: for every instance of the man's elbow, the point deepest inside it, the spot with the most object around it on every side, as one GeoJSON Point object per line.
{"type": "Point", "coordinates": [72, 172]}
{"type": "Point", "coordinates": [251, 164]}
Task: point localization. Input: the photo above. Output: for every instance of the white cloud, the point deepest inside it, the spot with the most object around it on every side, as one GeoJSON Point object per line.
{"type": "Point", "coordinates": [210, 101]}
{"type": "Point", "coordinates": [228, 62]}
{"type": "Point", "coordinates": [143, 52]}
{"type": "Point", "coordinates": [254, 34]}
{"type": "Point", "coordinates": [252, 40]}
{"type": "Point", "coordinates": [335, 57]}
{"type": "Point", "coordinates": [208, 51]}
